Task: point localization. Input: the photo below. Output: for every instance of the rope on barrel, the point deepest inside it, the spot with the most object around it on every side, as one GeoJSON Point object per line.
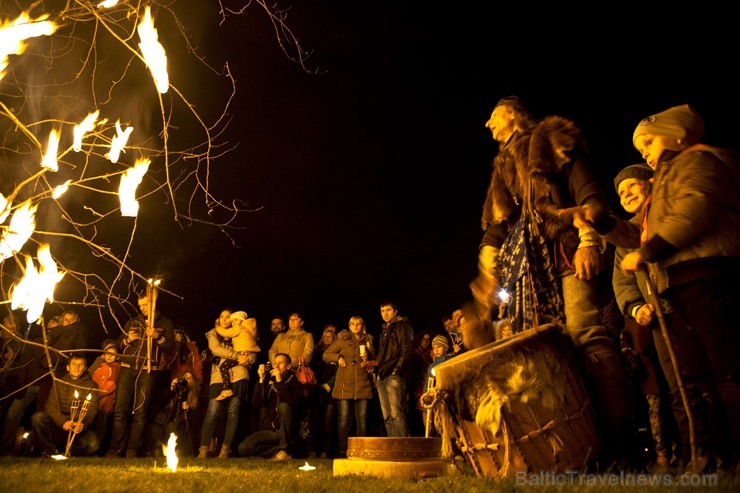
{"type": "Point", "coordinates": [553, 439]}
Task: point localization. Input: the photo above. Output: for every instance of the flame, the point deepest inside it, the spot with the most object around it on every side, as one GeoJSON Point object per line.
{"type": "Point", "coordinates": [14, 33]}
{"type": "Point", "coordinates": [4, 208]}
{"type": "Point", "coordinates": [130, 179]}
{"type": "Point", "coordinates": [154, 55]}
{"type": "Point", "coordinates": [107, 4]}
{"type": "Point", "coordinates": [118, 142]}
{"type": "Point", "coordinates": [77, 395]}
{"type": "Point", "coordinates": [306, 467]}
{"type": "Point", "coordinates": [80, 130]}
{"type": "Point", "coordinates": [60, 189]}
{"type": "Point", "coordinates": [170, 453]}
{"type": "Point", "coordinates": [50, 158]}
{"type": "Point", "coordinates": [19, 231]}
{"type": "Point", "coordinates": [37, 286]}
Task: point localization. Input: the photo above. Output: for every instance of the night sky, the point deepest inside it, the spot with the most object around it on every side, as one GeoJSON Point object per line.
{"type": "Point", "coordinates": [368, 176]}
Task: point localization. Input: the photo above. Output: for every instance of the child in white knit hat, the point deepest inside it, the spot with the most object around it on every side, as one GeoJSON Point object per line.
{"type": "Point", "coordinates": [243, 335]}
{"type": "Point", "coordinates": [691, 245]}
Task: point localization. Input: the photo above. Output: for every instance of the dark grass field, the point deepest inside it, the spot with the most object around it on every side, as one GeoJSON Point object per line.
{"type": "Point", "coordinates": [83, 475]}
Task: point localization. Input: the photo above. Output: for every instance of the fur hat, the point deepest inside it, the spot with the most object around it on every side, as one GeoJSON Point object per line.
{"type": "Point", "coordinates": [679, 122]}
{"type": "Point", "coordinates": [638, 171]}
{"type": "Point", "coordinates": [441, 340]}
{"type": "Point", "coordinates": [240, 315]}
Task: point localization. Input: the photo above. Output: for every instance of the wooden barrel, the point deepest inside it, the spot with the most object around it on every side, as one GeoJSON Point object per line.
{"type": "Point", "coordinates": [518, 404]}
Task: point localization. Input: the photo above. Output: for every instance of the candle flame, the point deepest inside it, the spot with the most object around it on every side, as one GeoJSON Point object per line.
{"type": "Point", "coordinates": [37, 286]}
{"type": "Point", "coordinates": [130, 179]}
{"type": "Point", "coordinates": [153, 52]}
{"type": "Point", "coordinates": [118, 142]}
{"type": "Point", "coordinates": [60, 189]}
{"type": "Point", "coordinates": [107, 4]}
{"type": "Point", "coordinates": [77, 395]}
{"type": "Point", "coordinates": [14, 33]}
{"type": "Point", "coordinates": [84, 127]}
{"type": "Point", "coordinates": [50, 158]}
{"type": "Point", "coordinates": [306, 467]}
{"type": "Point", "coordinates": [169, 452]}
{"type": "Point", "coordinates": [19, 231]}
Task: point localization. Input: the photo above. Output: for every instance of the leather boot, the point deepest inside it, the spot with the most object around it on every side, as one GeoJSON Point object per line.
{"type": "Point", "coordinates": [225, 451]}
{"type": "Point", "coordinates": [203, 452]}
{"type": "Point", "coordinates": [607, 386]}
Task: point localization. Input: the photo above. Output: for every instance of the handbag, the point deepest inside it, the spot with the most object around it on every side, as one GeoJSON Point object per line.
{"type": "Point", "coordinates": [304, 374]}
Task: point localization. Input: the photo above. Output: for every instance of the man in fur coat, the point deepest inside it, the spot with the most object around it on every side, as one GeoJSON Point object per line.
{"type": "Point", "coordinates": [542, 169]}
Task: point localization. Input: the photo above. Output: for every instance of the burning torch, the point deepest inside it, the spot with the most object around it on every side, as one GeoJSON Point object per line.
{"type": "Point", "coordinates": [77, 414]}
{"type": "Point", "coordinates": [151, 296]}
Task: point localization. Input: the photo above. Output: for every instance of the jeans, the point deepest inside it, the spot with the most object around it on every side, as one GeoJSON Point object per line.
{"type": "Point", "coordinates": [345, 420]}
{"type": "Point", "coordinates": [51, 438]}
{"type": "Point", "coordinates": [392, 396]}
{"type": "Point", "coordinates": [212, 414]}
{"type": "Point", "coordinates": [131, 383]}
{"type": "Point", "coordinates": [266, 443]}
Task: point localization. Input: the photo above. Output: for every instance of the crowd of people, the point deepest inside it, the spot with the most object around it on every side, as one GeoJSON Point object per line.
{"type": "Point", "coordinates": [646, 302]}
{"type": "Point", "coordinates": [230, 398]}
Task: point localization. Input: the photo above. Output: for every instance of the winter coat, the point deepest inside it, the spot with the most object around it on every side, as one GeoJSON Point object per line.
{"type": "Point", "coordinates": [219, 348]}
{"type": "Point", "coordinates": [61, 396]}
{"type": "Point", "coordinates": [396, 348]}
{"type": "Point", "coordinates": [267, 396]}
{"type": "Point", "coordinates": [133, 353]}
{"type": "Point", "coordinates": [295, 345]}
{"type": "Point", "coordinates": [353, 381]}
{"type": "Point", "coordinates": [106, 376]}
{"type": "Point", "coordinates": [692, 223]}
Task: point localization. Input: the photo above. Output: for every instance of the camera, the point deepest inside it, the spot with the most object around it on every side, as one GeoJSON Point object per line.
{"type": "Point", "coordinates": [181, 386]}
{"type": "Point", "coordinates": [268, 368]}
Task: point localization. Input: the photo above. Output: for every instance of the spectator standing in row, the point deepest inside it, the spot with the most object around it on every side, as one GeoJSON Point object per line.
{"type": "Point", "coordinates": [395, 354]}
{"type": "Point", "coordinates": [353, 353]}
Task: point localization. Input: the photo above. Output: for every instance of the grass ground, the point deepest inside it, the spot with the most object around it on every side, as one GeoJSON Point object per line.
{"type": "Point", "coordinates": [93, 475]}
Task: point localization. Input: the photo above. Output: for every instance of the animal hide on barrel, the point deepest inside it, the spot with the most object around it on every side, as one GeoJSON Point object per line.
{"type": "Point", "coordinates": [527, 382]}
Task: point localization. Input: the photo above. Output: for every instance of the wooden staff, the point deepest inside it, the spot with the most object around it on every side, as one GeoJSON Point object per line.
{"type": "Point", "coordinates": [653, 298]}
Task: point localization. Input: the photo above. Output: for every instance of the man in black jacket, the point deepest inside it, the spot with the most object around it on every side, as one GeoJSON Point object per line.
{"type": "Point", "coordinates": [395, 353]}
{"type": "Point", "coordinates": [278, 398]}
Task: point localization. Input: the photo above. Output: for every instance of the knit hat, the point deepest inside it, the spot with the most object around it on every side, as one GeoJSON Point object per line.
{"type": "Point", "coordinates": [638, 171]}
{"type": "Point", "coordinates": [679, 122]}
{"type": "Point", "coordinates": [441, 340]}
{"type": "Point", "coordinates": [240, 315]}
{"type": "Point", "coordinates": [108, 343]}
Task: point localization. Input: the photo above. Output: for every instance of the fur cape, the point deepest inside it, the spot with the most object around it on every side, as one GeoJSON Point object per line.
{"type": "Point", "coordinates": [532, 168]}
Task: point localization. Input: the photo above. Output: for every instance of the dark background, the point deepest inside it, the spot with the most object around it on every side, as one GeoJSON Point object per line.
{"type": "Point", "coordinates": [368, 176]}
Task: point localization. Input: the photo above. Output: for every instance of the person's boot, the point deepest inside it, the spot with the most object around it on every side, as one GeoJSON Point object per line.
{"type": "Point", "coordinates": [203, 452]}
{"type": "Point", "coordinates": [607, 386]}
{"type": "Point", "coordinates": [225, 451]}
